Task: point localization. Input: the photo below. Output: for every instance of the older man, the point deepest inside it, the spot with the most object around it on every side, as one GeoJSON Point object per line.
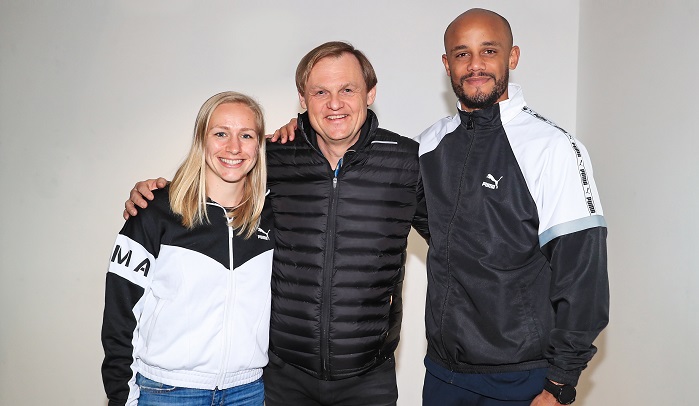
{"type": "Point", "coordinates": [344, 194]}
{"type": "Point", "coordinates": [517, 264]}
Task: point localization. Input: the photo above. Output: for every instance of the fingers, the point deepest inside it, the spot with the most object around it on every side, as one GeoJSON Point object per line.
{"type": "Point", "coordinates": [140, 194]}
{"type": "Point", "coordinates": [161, 183]}
{"type": "Point", "coordinates": [291, 128]}
{"type": "Point", "coordinates": [281, 135]}
{"type": "Point", "coordinates": [273, 137]}
{"type": "Point", "coordinates": [143, 190]}
{"type": "Point", "coordinates": [290, 131]}
{"type": "Point", "coordinates": [136, 199]}
{"type": "Point", "coordinates": [284, 134]}
{"type": "Point", "coordinates": [129, 210]}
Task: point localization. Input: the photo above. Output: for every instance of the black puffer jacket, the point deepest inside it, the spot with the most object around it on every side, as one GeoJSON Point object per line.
{"type": "Point", "coordinates": [341, 241]}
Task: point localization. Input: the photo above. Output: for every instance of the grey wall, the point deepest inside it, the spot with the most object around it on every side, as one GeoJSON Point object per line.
{"type": "Point", "coordinates": [97, 95]}
{"type": "Point", "coordinates": [637, 110]}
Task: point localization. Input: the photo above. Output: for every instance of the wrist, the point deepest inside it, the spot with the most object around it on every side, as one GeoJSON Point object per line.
{"type": "Point", "coordinates": [564, 394]}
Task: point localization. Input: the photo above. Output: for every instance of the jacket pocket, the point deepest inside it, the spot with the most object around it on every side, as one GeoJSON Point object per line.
{"type": "Point", "coordinates": [532, 328]}
{"type": "Point", "coordinates": [160, 303]}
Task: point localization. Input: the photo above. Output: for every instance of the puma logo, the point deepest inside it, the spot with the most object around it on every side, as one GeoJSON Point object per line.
{"type": "Point", "coordinates": [262, 234]}
{"type": "Point", "coordinates": [492, 179]}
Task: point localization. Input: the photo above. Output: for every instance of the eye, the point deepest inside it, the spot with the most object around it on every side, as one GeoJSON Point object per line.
{"type": "Point", "coordinates": [347, 90]}
{"type": "Point", "coordinates": [320, 92]}
{"type": "Point", "coordinates": [489, 52]}
{"type": "Point", "coordinates": [219, 134]}
{"type": "Point", "coordinates": [462, 54]}
{"type": "Point", "coordinates": [247, 136]}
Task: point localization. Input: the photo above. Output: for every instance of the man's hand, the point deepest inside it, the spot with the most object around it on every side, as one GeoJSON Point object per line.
{"type": "Point", "coordinates": [544, 399]}
{"type": "Point", "coordinates": [284, 134]}
{"type": "Point", "coordinates": [140, 192]}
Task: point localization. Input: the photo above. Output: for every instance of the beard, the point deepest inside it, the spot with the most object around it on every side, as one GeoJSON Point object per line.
{"type": "Point", "coordinates": [481, 100]}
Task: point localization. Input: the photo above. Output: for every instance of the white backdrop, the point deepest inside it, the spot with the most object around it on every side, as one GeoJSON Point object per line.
{"type": "Point", "coordinates": [95, 95]}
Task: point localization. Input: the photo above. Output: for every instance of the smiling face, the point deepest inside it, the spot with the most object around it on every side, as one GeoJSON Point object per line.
{"type": "Point", "coordinates": [231, 146]}
{"type": "Point", "coordinates": [337, 98]}
{"type": "Point", "coordinates": [479, 55]}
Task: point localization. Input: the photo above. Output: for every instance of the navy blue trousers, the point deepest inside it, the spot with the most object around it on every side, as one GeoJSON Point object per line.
{"type": "Point", "coordinates": [445, 388]}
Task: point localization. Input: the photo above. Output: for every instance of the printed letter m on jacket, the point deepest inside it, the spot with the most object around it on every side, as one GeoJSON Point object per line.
{"type": "Point", "coordinates": [119, 259]}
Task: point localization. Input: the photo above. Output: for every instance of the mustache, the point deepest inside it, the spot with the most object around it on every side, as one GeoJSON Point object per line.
{"type": "Point", "coordinates": [464, 78]}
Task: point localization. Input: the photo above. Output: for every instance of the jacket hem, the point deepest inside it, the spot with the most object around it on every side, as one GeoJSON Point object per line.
{"type": "Point", "coordinates": [464, 368]}
{"type": "Point", "coordinates": [200, 380]}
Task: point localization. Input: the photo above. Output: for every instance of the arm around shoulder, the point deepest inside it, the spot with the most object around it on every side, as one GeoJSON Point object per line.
{"type": "Point", "coordinates": [141, 194]}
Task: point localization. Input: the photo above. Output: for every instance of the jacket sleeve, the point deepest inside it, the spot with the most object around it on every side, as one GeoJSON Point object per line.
{"type": "Point", "coordinates": [580, 299]}
{"type": "Point", "coordinates": [574, 242]}
{"type": "Point", "coordinates": [128, 278]}
{"type": "Point", "coordinates": [420, 218]}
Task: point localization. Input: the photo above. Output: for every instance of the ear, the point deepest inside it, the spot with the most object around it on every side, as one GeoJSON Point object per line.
{"type": "Point", "coordinates": [514, 57]}
{"type": "Point", "coordinates": [302, 102]}
{"type": "Point", "coordinates": [445, 61]}
{"type": "Point", "coordinates": [371, 96]}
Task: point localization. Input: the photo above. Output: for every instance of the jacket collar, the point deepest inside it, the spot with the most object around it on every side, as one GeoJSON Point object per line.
{"type": "Point", "coordinates": [500, 113]}
{"type": "Point", "coordinates": [311, 137]}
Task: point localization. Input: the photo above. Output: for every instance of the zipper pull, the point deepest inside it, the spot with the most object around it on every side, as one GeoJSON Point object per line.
{"type": "Point", "coordinates": [469, 124]}
{"type": "Point", "coordinates": [337, 172]}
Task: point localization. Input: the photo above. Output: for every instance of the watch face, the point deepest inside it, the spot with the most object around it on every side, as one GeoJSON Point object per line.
{"type": "Point", "coordinates": [567, 395]}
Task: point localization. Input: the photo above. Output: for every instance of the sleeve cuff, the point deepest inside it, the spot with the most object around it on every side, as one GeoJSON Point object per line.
{"type": "Point", "coordinates": [563, 376]}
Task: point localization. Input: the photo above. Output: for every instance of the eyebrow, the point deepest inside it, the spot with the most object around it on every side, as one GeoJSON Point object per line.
{"type": "Point", "coordinates": [226, 127]}
{"type": "Point", "coordinates": [484, 43]}
{"type": "Point", "coordinates": [341, 86]}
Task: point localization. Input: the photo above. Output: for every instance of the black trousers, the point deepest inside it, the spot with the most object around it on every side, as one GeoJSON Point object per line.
{"type": "Point", "coordinates": [286, 385]}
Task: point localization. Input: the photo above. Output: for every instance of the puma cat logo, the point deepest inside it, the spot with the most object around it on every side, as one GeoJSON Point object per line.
{"type": "Point", "coordinates": [492, 179]}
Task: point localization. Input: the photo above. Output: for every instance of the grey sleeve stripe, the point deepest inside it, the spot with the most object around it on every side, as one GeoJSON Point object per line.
{"type": "Point", "coordinates": [571, 227]}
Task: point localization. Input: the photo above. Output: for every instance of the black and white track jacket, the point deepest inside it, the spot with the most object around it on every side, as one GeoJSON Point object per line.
{"type": "Point", "coordinates": [340, 254]}
{"type": "Point", "coordinates": [187, 308]}
{"type": "Point", "coordinates": [517, 263]}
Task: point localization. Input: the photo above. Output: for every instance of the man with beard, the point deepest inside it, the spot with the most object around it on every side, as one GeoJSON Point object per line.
{"type": "Point", "coordinates": [517, 264]}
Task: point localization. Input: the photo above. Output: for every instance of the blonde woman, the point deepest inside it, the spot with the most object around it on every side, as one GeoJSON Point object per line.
{"type": "Point", "coordinates": [186, 319]}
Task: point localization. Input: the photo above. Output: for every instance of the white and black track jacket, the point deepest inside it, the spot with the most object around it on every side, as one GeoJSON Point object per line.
{"type": "Point", "coordinates": [187, 308]}
{"type": "Point", "coordinates": [517, 263]}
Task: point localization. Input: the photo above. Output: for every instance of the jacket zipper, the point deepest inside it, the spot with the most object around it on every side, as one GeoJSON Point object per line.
{"type": "Point", "coordinates": [226, 323]}
{"type": "Point", "coordinates": [471, 128]}
{"type": "Point", "coordinates": [327, 278]}
{"type": "Point", "coordinates": [327, 265]}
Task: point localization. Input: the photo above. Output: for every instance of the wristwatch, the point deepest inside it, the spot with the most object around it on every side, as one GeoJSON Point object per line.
{"type": "Point", "coordinates": [564, 394]}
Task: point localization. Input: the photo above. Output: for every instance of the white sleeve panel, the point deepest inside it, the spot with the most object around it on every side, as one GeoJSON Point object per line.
{"type": "Point", "coordinates": [558, 173]}
{"type": "Point", "coordinates": [432, 136]}
{"type": "Point", "coordinates": [131, 261]}
{"type": "Point", "coordinates": [569, 192]}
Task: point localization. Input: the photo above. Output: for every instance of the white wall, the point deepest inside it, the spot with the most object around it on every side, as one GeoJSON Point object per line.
{"type": "Point", "coordinates": [96, 95]}
{"type": "Point", "coordinates": [637, 110]}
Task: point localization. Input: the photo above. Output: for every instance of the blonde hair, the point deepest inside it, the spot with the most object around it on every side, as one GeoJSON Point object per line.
{"type": "Point", "coordinates": [188, 187]}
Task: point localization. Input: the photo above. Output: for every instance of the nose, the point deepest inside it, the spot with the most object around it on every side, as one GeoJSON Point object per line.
{"type": "Point", "coordinates": [476, 63]}
{"type": "Point", "coordinates": [335, 102]}
{"type": "Point", "coordinates": [233, 145]}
